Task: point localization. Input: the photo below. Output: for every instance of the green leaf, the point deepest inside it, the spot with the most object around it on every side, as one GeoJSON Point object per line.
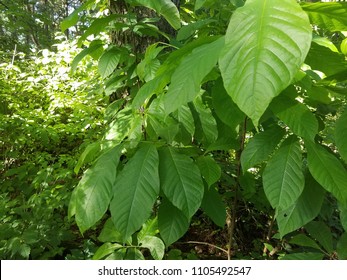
{"type": "Point", "coordinates": [260, 146]}
{"type": "Point", "coordinates": [341, 247]}
{"type": "Point", "coordinates": [331, 16]}
{"type": "Point", "coordinates": [321, 232]}
{"type": "Point", "coordinates": [106, 249]}
{"type": "Point", "coordinates": [83, 53]}
{"type": "Point", "coordinates": [306, 208]}
{"type": "Point", "coordinates": [73, 18]}
{"type": "Point", "coordinates": [327, 170]}
{"type": "Point", "coordinates": [189, 30]}
{"type": "Point", "coordinates": [214, 207]}
{"type": "Point", "coordinates": [283, 178]}
{"type": "Point", "coordinates": [225, 108]}
{"type": "Point", "coordinates": [207, 123]}
{"type": "Point", "coordinates": [155, 246]}
{"type": "Point", "coordinates": [149, 228]}
{"type": "Point", "coordinates": [303, 256]}
{"type": "Point", "coordinates": [172, 222]}
{"type": "Point", "coordinates": [304, 240]}
{"type": "Point", "coordinates": [209, 169]}
{"type": "Point", "coordinates": [109, 233]}
{"type": "Point", "coordinates": [186, 80]}
{"type": "Point", "coordinates": [341, 135]}
{"type": "Point", "coordinates": [185, 117]}
{"type": "Point", "coordinates": [88, 155]}
{"type": "Point", "coordinates": [265, 44]}
{"type": "Point", "coordinates": [108, 62]}
{"type": "Point", "coordinates": [199, 4]}
{"type": "Point", "coordinates": [93, 192]}
{"type": "Point", "coordinates": [297, 116]}
{"type": "Point", "coordinates": [133, 254]}
{"type": "Point", "coordinates": [135, 191]}
{"type": "Point", "coordinates": [24, 250]}
{"type": "Point", "coordinates": [180, 180]}
{"type": "Point", "coordinates": [343, 216]}
{"type": "Point", "coordinates": [120, 126]}
{"type": "Point", "coordinates": [343, 46]}
{"type": "Point", "coordinates": [166, 8]}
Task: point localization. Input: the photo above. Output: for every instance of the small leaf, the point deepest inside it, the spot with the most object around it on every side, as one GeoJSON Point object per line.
{"type": "Point", "coordinates": [297, 116]}
{"type": "Point", "coordinates": [322, 233]}
{"type": "Point", "coordinates": [155, 246]}
{"type": "Point", "coordinates": [327, 170]}
{"type": "Point", "coordinates": [109, 233]}
{"type": "Point", "coordinates": [83, 53]}
{"type": "Point", "coordinates": [108, 62]}
{"type": "Point", "coordinates": [265, 44]}
{"type": "Point", "coordinates": [304, 240]}
{"type": "Point", "coordinates": [180, 180]}
{"type": "Point", "coordinates": [209, 169]}
{"type": "Point", "coordinates": [283, 178]}
{"type": "Point", "coordinates": [135, 191]}
{"type": "Point", "coordinates": [106, 249]}
{"type": "Point", "coordinates": [214, 207]}
{"type": "Point", "coordinates": [172, 222]}
{"type": "Point", "coordinates": [261, 146]}
{"type": "Point", "coordinates": [88, 155]}
{"type": "Point", "coordinates": [149, 228]}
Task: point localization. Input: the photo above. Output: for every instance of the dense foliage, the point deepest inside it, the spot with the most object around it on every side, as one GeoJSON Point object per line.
{"type": "Point", "coordinates": [224, 136]}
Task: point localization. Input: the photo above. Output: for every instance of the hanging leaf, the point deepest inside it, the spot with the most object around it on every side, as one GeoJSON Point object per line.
{"type": "Point", "coordinates": [265, 44]}
{"type": "Point", "coordinates": [214, 207]}
{"type": "Point", "coordinates": [106, 249]}
{"type": "Point", "coordinates": [321, 232]}
{"type": "Point", "coordinates": [261, 146]}
{"type": "Point", "coordinates": [327, 170]}
{"type": "Point", "coordinates": [180, 180]}
{"type": "Point", "coordinates": [297, 116]}
{"type": "Point", "coordinates": [186, 80]}
{"type": "Point", "coordinates": [173, 223]}
{"type": "Point", "coordinates": [341, 135]}
{"type": "Point", "coordinates": [135, 191]}
{"type": "Point", "coordinates": [93, 193]}
{"type": "Point", "coordinates": [304, 210]}
{"type": "Point", "coordinates": [283, 178]}
{"type": "Point", "coordinates": [209, 169]}
{"type": "Point", "coordinates": [108, 62]}
{"type": "Point", "coordinates": [109, 233]}
{"type": "Point", "coordinates": [304, 240]}
{"type": "Point", "coordinates": [331, 16]}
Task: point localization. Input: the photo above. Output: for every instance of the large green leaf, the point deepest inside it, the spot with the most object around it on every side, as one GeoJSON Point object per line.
{"type": "Point", "coordinates": [331, 16]}
{"type": "Point", "coordinates": [180, 180]}
{"type": "Point", "coordinates": [283, 178]}
{"type": "Point", "coordinates": [209, 169]}
{"type": "Point", "coordinates": [341, 135]}
{"type": "Point", "coordinates": [108, 62]}
{"type": "Point", "coordinates": [260, 146]}
{"type": "Point", "coordinates": [265, 44]}
{"type": "Point", "coordinates": [135, 191]}
{"type": "Point", "coordinates": [297, 116]}
{"type": "Point", "coordinates": [186, 80]}
{"type": "Point", "coordinates": [327, 170]}
{"type": "Point", "coordinates": [185, 117]}
{"type": "Point", "coordinates": [172, 222]}
{"type": "Point", "coordinates": [93, 193]}
{"type": "Point", "coordinates": [166, 8]}
{"type": "Point", "coordinates": [306, 208]}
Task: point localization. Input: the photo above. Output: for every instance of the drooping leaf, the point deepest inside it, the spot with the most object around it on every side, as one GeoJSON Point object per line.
{"type": "Point", "coordinates": [225, 107]}
{"type": "Point", "coordinates": [297, 116]}
{"type": "Point", "coordinates": [331, 16]}
{"type": "Point", "coordinates": [265, 44]}
{"type": "Point", "coordinates": [135, 191]}
{"type": "Point", "coordinates": [209, 169]}
{"type": "Point", "coordinates": [120, 126]}
{"type": "Point", "coordinates": [186, 80]}
{"type": "Point", "coordinates": [108, 62]}
{"type": "Point", "coordinates": [261, 146]}
{"type": "Point", "coordinates": [207, 123]}
{"type": "Point", "coordinates": [166, 8]}
{"type": "Point", "coordinates": [304, 240]}
{"type": "Point", "coordinates": [155, 246]}
{"type": "Point", "coordinates": [341, 135]}
{"type": "Point", "coordinates": [73, 18]}
{"type": "Point", "coordinates": [180, 180]}
{"type": "Point", "coordinates": [304, 210]}
{"type": "Point", "coordinates": [214, 207]}
{"type": "Point", "coordinates": [321, 232]}
{"type": "Point", "coordinates": [88, 155]}
{"type": "Point", "coordinates": [327, 170]}
{"type": "Point", "coordinates": [172, 222]}
{"type": "Point", "coordinates": [106, 249]}
{"type": "Point", "coordinates": [283, 178]}
{"type": "Point", "coordinates": [94, 191]}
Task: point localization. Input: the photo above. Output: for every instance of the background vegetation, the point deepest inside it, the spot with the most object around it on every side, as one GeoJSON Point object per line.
{"type": "Point", "coordinates": [173, 129]}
